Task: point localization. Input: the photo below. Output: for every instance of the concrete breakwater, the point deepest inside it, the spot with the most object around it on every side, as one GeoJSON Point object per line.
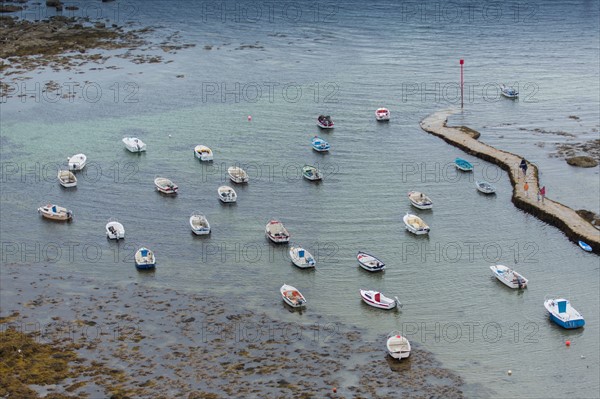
{"type": "Point", "coordinates": [566, 219]}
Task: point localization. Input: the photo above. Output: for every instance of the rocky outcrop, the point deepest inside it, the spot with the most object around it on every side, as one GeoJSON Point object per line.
{"type": "Point", "coordinates": [582, 161]}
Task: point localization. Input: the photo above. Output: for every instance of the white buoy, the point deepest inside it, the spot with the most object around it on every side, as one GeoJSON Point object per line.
{"type": "Point", "coordinates": [509, 372]}
{"type": "Point", "coordinates": [169, 136]}
{"type": "Point", "coordinates": [249, 118]}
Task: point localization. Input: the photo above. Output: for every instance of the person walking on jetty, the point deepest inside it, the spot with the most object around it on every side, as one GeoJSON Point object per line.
{"type": "Point", "coordinates": [523, 167]}
{"type": "Point", "coordinates": [543, 193]}
{"type": "Point", "coordinates": [526, 188]}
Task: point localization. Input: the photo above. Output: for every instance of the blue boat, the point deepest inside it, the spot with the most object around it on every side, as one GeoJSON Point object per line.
{"type": "Point", "coordinates": [562, 313]}
{"type": "Point", "coordinates": [145, 259]}
{"type": "Point", "coordinates": [463, 164]}
{"type": "Point", "coordinates": [585, 246]}
{"type": "Point", "coordinates": [318, 144]}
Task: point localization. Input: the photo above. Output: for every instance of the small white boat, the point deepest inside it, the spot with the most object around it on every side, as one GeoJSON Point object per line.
{"type": "Point", "coordinates": [55, 212]}
{"type": "Point", "coordinates": [145, 259]}
{"type": "Point", "coordinates": [237, 174]}
{"type": "Point", "coordinates": [276, 232]}
{"type": "Point", "coordinates": [369, 262]}
{"type": "Point", "coordinates": [302, 258]}
{"type": "Point", "coordinates": [227, 194]}
{"type": "Point", "coordinates": [378, 300]}
{"type": "Point", "coordinates": [382, 114]}
{"type": "Point", "coordinates": [509, 277]}
{"type": "Point", "coordinates": [508, 92]}
{"type": "Point", "coordinates": [562, 313]}
{"type": "Point", "coordinates": [320, 145]}
{"type": "Point", "coordinates": [66, 178]}
{"type": "Point", "coordinates": [420, 200]}
{"type": "Point", "coordinates": [415, 224]}
{"type": "Point", "coordinates": [77, 161]}
{"type": "Point", "coordinates": [485, 187]}
{"type": "Point", "coordinates": [199, 224]}
{"type": "Point", "coordinates": [292, 296]}
{"type": "Point", "coordinates": [133, 144]}
{"type": "Point", "coordinates": [114, 229]}
{"type": "Point", "coordinates": [325, 122]}
{"type": "Point", "coordinates": [203, 153]}
{"type": "Point", "coordinates": [165, 185]}
{"type": "Point", "coordinates": [310, 172]}
{"type": "Point", "coordinates": [398, 346]}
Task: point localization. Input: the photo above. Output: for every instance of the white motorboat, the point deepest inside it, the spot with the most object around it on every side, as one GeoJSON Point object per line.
{"type": "Point", "coordinates": [133, 144]}
{"type": "Point", "coordinates": [508, 92]}
{"type": "Point", "coordinates": [420, 200]}
{"type": "Point", "coordinates": [165, 185]}
{"type": "Point", "coordinates": [237, 174]}
{"type": "Point", "coordinates": [145, 259]}
{"type": "Point", "coordinates": [114, 229]}
{"type": "Point", "coordinates": [203, 153]}
{"type": "Point", "coordinates": [66, 178]}
{"type": "Point", "coordinates": [310, 172]}
{"type": "Point", "coordinates": [509, 277]}
{"type": "Point", "coordinates": [227, 194]}
{"type": "Point", "coordinates": [378, 300]}
{"type": "Point", "coordinates": [382, 114]}
{"type": "Point", "coordinates": [369, 262]}
{"type": "Point", "coordinates": [199, 224]}
{"type": "Point", "coordinates": [276, 232]}
{"type": "Point", "coordinates": [302, 258]}
{"type": "Point", "coordinates": [415, 224]}
{"type": "Point", "coordinates": [398, 346]}
{"type": "Point", "coordinates": [485, 187]}
{"type": "Point", "coordinates": [55, 212]}
{"type": "Point", "coordinates": [77, 161]}
{"type": "Point", "coordinates": [292, 296]}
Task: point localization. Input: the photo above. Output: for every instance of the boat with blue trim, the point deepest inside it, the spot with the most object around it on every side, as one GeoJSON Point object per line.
{"type": "Point", "coordinates": [562, 313]}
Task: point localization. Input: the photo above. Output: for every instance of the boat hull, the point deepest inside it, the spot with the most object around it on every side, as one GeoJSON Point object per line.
{"type": "Point", "coordinates": [585, 246]}
{"type": "Point", "coordinates": [203, 153]}
{"type": "Point", "coordinates": [415, 230]}
{"type": "Point", "coordinates": [285, 289]}
{"type": "Point", "coordinates": [369, 262]}
{"type": "Point", "coordinates": [382, 115]}
{"type": "Point", "coordinates": [133, 144]}
{"type": "Point", "coordinates": [278, 240]}
{"type": "Point", "coordinates": [501, 272]}
{"type": "Point", "coordinates": [572, 318]}
{"type": "Point", "coordinates": [567, 324]}
{"type": "Point", "coordinates": [77, 162]}
{"type": "Point", "coordinates": [380, 305]}
{"type": "Point", "coordinates": [398, 346]}
{"type": "Point", "coordinates": [118, 232]}
{"type": "Point", "coordinates": [145, 262]}
{"type": "Point", "coordinates": [165, 187]}
{"type": "Point", "coordinates": [305, 262]}
{"type": "Point", "coordinates": [61, 214]}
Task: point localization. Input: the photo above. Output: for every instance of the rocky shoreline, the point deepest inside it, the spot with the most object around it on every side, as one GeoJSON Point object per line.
{"type": "Point", "coordinates": [130, 340]}
{"type": "Point", "coordinates": [569, 221]}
